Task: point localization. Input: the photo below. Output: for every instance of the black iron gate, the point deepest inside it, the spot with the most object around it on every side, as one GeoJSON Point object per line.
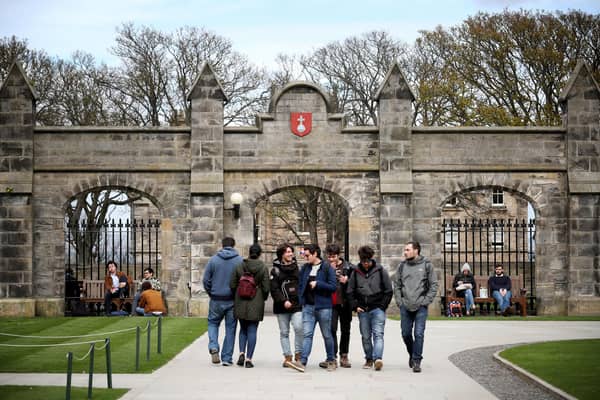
{"type": "Point", "coordinates": [485, 243]}
{"type": "Point", "coordinates": [134, 246]}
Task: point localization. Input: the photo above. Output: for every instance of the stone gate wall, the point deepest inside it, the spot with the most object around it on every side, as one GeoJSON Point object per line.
{"type": "Point", "coordinates": [394, 178]}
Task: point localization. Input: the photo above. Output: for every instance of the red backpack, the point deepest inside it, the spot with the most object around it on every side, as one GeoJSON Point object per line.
{"type": "Point", "coordinates": [246, 285]}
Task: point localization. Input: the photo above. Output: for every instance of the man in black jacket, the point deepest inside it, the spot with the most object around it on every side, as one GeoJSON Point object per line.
{"type": "Point", "coordinates": [370, 292]}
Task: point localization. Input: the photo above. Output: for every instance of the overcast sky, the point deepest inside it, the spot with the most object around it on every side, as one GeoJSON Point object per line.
{"type": "Point", "coordinates": [259, 29]}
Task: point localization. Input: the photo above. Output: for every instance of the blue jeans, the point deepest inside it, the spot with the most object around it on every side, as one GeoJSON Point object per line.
{"type": "Point", "coordinates": [310, 317]}
{"type": "Point", "coordinates": [284, 321]}
{"type": "Point", "coordinates": [217, 310]}
{"type": "Point", "coordinates": [247, 339]}
{"type": "Point", "coordinates": [372, 324]}
{"type": "Point", "coordinates": [469, 301]}
{"type": "Point", "coordinates": [503, 302]}
{"type": "Point", "coordinates": [409, 320]}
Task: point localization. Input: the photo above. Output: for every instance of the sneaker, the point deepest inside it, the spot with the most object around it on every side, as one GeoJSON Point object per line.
{"type": "Point", "coordinates": [368, 364]}
{"type": "Point", "coordinates": [249, 364]}
{"type": "Point", "coordinates": [378, 365]}
{"type": "Point", "coordinates": [416, 366]}
{"type": "Point", "coordinates": [297, 365]}
{"type": "Point", "coordinates": [331, 366]}
{"type": "Point", "coordinates": [227, 363]}
{"type": "Point", "coordinates": [323, 364]}
{"type": "Point", "coordinates": [214, 356]}
{"type": "Point", "coordinates": [410, 362]}
{"type": "Point", "coordinates": [241, 360]}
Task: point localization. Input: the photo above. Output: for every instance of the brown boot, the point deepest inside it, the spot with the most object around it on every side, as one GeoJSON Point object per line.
{"type": "Point", "coordinates": [297, 356]}
{"type": "Point", "coordinates": [287, 359]}
{"type": "Point", "coordinates": [344, 362]}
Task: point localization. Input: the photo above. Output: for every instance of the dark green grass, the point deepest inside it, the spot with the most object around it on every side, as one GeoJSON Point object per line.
{"type": "Point", "coordinates": [177, 333]}
{"type": "Point", "coordinates": [570, 365]}
{"type": "Point", "coordinates": [56, 393]}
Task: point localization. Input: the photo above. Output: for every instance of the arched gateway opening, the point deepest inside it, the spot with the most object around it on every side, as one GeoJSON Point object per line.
{"type": "Point", "coordinates": [103, 224]}
{"type": "Point", "coordinates": [300, 215]}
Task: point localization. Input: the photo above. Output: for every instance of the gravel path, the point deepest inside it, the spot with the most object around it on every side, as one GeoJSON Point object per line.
{"type": "Point", "coordinates": [480, 365]}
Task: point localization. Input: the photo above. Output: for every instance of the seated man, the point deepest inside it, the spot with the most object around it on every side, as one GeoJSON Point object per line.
{"type": "Point", "coordinates": [148, 277]}
{"type": "Point", "coordinates": [151, 302]}
{"type": "Point", "coordinates": [115, 285]}
{"type": "Point", "coordinates": [500, 286]}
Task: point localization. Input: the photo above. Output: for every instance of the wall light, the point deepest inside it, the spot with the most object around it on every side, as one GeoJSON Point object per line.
{"type": "Point", "coordinates": [236, 199]}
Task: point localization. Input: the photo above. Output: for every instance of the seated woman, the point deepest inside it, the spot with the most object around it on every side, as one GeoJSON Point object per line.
{"type": "Point", "coordinates": [464, 285]}
{"type": "Point", "coordinates": [151, 301]}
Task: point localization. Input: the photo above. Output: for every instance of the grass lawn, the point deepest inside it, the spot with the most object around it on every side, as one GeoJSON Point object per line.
{"type": "Point", "coordinates": [57, 393]}
{"type": "Point", "coordinates": [177, 333]}
{"type": "Point", "coordinates": [570, 365]}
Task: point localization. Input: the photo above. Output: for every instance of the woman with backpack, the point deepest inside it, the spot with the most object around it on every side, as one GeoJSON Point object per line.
{"type": "Point", "coordinates": [250, 283]}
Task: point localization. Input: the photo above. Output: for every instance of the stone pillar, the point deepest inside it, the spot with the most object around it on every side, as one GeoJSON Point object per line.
{"type": "Point", "coordinates": [581, 100]}
{"type": "Point", "coordinates": [207, 100]}
{"type": "Point", "coordinates": [17, 119]}
{"type": "Point", "coordinates": [395, 166]}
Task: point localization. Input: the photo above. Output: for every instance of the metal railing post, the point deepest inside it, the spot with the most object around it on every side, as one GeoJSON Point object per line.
{"type": "Point", "coordinates": [148, 342]}
{"type": "Point", "coordinates": [108, 364]}
{"type": "Point", "coordinates": [159, 336]}
{"type": "Point", "coordinates": [69, 373]}
{"type": "Point", "coordinates": [137, 348]}
{"type": "Point", "coordinates": [91, 373]}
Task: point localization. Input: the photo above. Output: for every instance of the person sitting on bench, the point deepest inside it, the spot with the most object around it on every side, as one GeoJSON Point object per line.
{"type": "Point", "coordinates": [464, 285]}
{"type": "Point", "coordinates": [115, 285]}
{"type": "Point", "coordinates": [500, 286]}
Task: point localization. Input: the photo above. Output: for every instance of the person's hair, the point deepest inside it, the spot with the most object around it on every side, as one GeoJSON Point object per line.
{"type": "Point", "coordinates": [149, 270]}
{"type": "Point", "coordinates": [313, 249]}
{"type": "Point", "coordinates": [365, 253]}
{"type": "Point", "coordinates": [281, 249]}
{"type": "Point", "coordinates": [111, 262]}
{"type": "Point", "coordinates": [332, 249]}
{"type": "Point", "coordinates": [228, 242]}
{"type": "Point", "coordinates": [255, 251]}
{"type": "Point", "coordinates": [498, 266]}
{"type": "Point", "coordinates": [416, 245]}
{"type": "Point", "coordinates": [146, 285]}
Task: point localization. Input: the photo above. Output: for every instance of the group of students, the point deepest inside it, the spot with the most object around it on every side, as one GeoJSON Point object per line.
{"type": "Point", "coordinates": [148, 299]}
{"type": "Point", "coordinates": [316, 291]}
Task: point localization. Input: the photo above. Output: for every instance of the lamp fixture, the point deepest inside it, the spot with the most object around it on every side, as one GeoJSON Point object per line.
{"type": "Point", "coordinates": [236, 199]}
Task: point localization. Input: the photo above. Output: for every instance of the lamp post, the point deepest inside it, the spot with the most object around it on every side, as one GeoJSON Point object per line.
{"type": "Point", "coordinates": [236, 199]}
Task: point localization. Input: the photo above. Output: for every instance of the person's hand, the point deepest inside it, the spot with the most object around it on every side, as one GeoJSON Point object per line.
{"type": "Point", "coordinates": [287, 304]}
{"type": "Point", "coordinates": [460, 282]}
{"type": "Point", "coordinates": [503, 292]}
{"type": "Point", "coordinates": [359, 310]}
{"type": "Point", "coordinates": [313, 284]}
{"type": "Point", "coordinates": [343, 279]}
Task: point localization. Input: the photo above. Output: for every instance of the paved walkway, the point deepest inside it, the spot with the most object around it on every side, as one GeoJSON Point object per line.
{"type": "Point", "coordinates": [190, 375]}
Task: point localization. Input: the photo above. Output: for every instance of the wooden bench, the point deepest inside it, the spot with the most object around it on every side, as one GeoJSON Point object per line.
{"type": "Point", "coordinates": [518, 293]}
{"type": "Point", "coordinates": [92, 294]}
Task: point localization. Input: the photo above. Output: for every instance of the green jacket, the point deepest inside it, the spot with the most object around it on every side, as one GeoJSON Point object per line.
{"type": "Point", "coordinates": [251, 309]}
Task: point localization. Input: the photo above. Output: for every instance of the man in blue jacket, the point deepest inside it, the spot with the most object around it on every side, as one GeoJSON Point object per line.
{"type": "Point", "coordinates": [316, 285]}
{"type": "Point", "coordinates": [217, 277]}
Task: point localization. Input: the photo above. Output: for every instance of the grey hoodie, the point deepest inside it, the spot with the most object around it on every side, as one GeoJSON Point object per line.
{"type": "Point", "coordinates": [417, 285]}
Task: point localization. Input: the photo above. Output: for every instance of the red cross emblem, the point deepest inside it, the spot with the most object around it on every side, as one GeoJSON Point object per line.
{"type": "Point", "coordinates": [300, 123]}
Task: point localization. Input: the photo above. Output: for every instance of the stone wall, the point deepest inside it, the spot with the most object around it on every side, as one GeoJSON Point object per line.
{"type": "Point", "coordinates": [394, 179]}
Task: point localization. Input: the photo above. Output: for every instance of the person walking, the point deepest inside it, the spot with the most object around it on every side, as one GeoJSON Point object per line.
{"type": "Point", "coordinates": [341, 310]}
{"type": "Point", "coordinates": [285, 276]}
{"type": "Point", "coordinates": [249, 309]}
{"type": "Point", "coordinates": [216, 280]}
{"type": "Point", "coordinates": [369, 293]}
{"type": "Point", "coordinates": [415, 288]}
{"type": "Point", "coordinates": [317, 283]}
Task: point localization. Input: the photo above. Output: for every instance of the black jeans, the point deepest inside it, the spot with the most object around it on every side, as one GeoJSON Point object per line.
{"type": "Point", "coordinates": [343, 313]}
